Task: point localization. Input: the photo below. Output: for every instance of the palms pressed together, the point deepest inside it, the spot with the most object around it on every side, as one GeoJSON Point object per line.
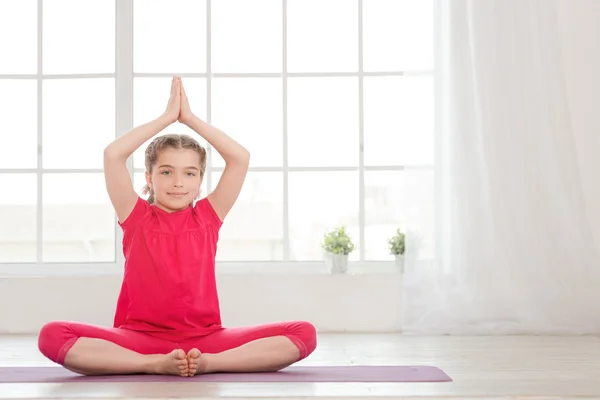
{"type": "Point", "coordinates": [178, 107]}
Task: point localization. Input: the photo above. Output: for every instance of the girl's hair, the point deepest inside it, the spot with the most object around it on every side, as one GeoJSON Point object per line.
{"type": "Point", "coordinates": [171, 141]}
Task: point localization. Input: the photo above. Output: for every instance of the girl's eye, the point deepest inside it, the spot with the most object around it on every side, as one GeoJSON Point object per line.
{"type": "Point", "coordinates": [166, 172]}
{"type": "Point", "coordinates": [191, 174]}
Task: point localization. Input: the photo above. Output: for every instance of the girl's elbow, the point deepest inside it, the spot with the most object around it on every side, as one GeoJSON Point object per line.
{"type": "Point", "coordinates": [243, 157]}
{"type": "Point", "coordinates": [246, 156]}
{"type": "Point", "coordinates": [112, 154]}
{"type": "Point", "coordinates": [240, 158]}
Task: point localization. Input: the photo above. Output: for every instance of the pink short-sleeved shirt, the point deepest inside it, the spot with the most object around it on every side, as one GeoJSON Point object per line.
{"type": "Point", "coordinates": [169, 288]}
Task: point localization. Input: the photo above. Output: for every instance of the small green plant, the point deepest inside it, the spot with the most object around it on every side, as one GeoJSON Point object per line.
{"type": "Point", "coordinates": [396, 243]}
{"type": "Point", "coordinates": [338, 242]}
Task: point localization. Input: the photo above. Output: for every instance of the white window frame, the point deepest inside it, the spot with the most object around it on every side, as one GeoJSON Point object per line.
{"type": "Point", "coordinates": [124, 76]}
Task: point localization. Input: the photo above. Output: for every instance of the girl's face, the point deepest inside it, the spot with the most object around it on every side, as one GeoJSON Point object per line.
{"type": "Point", "coordinates": [175, 179]}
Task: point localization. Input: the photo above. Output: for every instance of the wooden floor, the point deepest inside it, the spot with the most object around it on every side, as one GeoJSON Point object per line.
{"type": "Point", "coordinates": [482, 368]}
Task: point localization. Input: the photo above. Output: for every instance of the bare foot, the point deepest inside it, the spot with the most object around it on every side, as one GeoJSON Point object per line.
{"type": "Point", "coordinates": [196, 362]}
{"type": "Point", "coordinates": [174, 363]}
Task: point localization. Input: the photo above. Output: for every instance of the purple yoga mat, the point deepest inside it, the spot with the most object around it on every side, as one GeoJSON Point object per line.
{"type": "Point", "coordinates": [353, 373]}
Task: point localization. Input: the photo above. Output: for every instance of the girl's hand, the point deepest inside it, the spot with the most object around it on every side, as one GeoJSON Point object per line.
{"type": "Point", "coordinates": [185, 113]}
{"type": "Point", "coordinates": [174, 104]}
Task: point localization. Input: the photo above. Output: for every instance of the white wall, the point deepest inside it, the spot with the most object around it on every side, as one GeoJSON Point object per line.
{"type": "Point", "coordinates": [353, 302]}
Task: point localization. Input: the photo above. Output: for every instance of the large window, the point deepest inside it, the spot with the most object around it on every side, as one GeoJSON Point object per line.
{"type": "Point", "coordinates": [334, 99]}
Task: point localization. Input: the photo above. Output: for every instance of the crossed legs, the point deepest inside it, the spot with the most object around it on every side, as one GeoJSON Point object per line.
{"type": "Point", "coordinates": [95, 350]}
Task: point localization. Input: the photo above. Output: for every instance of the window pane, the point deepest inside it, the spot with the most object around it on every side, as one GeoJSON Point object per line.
{"type": "Point", "coordinates": [398, 120]}
{"type": "Point", "coordinates": [79, 36]}
{"type": "Point", "coordinates": [250, 111]}
{"type": "Point", "coordinates": [246, 36]}
{"type": "Point", "coordinates": [18, 102]}
{"type": "Point", "coordinates": [150, 98]}
{"type": "Point", "coordinates": [323, 121]}
{"type": "Point", "coordinates": [139, 181]}
{"type": "Point", "coordinates": [18, 28]}
{"type": "Point", "coordinates": [18, 216]}
{"type": "Point", "coordinates": [78, 219]}
{"type": "Point", "coordinates": [322, 36]}
{"type": "Point", "coordinates": [78, 121]}
{"type": "Point", "coordinates": [399, 199]}
{"type": "Point", "coordinates": [318, 203]}
{"type": "Point", "coordinates": [397, 35]}
{"type": "Point", "coordinates": [169, 36]}
{"type": "Point", "coordinates": [253, 229]}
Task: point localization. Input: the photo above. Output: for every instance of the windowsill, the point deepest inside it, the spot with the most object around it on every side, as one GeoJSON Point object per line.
{"type": "Point", "coordinates": [306, 268]}
{"type": "Point", "coordinates": [223, 268]}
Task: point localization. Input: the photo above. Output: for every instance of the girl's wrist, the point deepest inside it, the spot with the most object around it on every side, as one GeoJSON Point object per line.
{"type": "Point", "coordinates": [166, 119]}
{"type": "Point", "coordinates": [187, 120]}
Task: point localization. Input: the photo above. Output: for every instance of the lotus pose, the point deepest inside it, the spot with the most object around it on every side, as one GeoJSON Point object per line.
{"type": "Point", "coordinates": [167, 319]}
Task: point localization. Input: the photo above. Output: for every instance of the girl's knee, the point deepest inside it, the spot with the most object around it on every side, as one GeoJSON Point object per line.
{"type": "Point", "coordinates": [52, 339]}
{"type": "Point", "coordinates": [306, 334]}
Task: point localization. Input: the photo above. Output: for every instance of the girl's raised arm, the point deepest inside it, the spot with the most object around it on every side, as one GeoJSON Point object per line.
{"type": "Point", "coordinates": [237, 160]}
{"type": "Point", "coordinates": [118, 182]}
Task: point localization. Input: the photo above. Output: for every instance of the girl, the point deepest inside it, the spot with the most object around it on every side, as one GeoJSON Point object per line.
{"type": "Point", "coordinates": [167, 319]}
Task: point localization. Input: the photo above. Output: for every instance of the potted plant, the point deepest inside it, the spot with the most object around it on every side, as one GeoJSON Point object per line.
{"type": "Point", "coordinates": [397, 247]}
{"type": "Point", "coordinates": [337, 245]}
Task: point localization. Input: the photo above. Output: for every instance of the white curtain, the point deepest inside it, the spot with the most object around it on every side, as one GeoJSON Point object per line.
{"type": "Point", "coordinates": [515, 253]}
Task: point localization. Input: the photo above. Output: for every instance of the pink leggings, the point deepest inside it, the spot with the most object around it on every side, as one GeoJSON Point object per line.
{"type": "Point", "coordinates": [56, 338]}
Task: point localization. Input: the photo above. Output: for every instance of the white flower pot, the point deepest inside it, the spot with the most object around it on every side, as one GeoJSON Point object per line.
{"type": "Point", "coordinates": [399, 262]}
{"type": "Point", "coordinates": [336, 263]}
